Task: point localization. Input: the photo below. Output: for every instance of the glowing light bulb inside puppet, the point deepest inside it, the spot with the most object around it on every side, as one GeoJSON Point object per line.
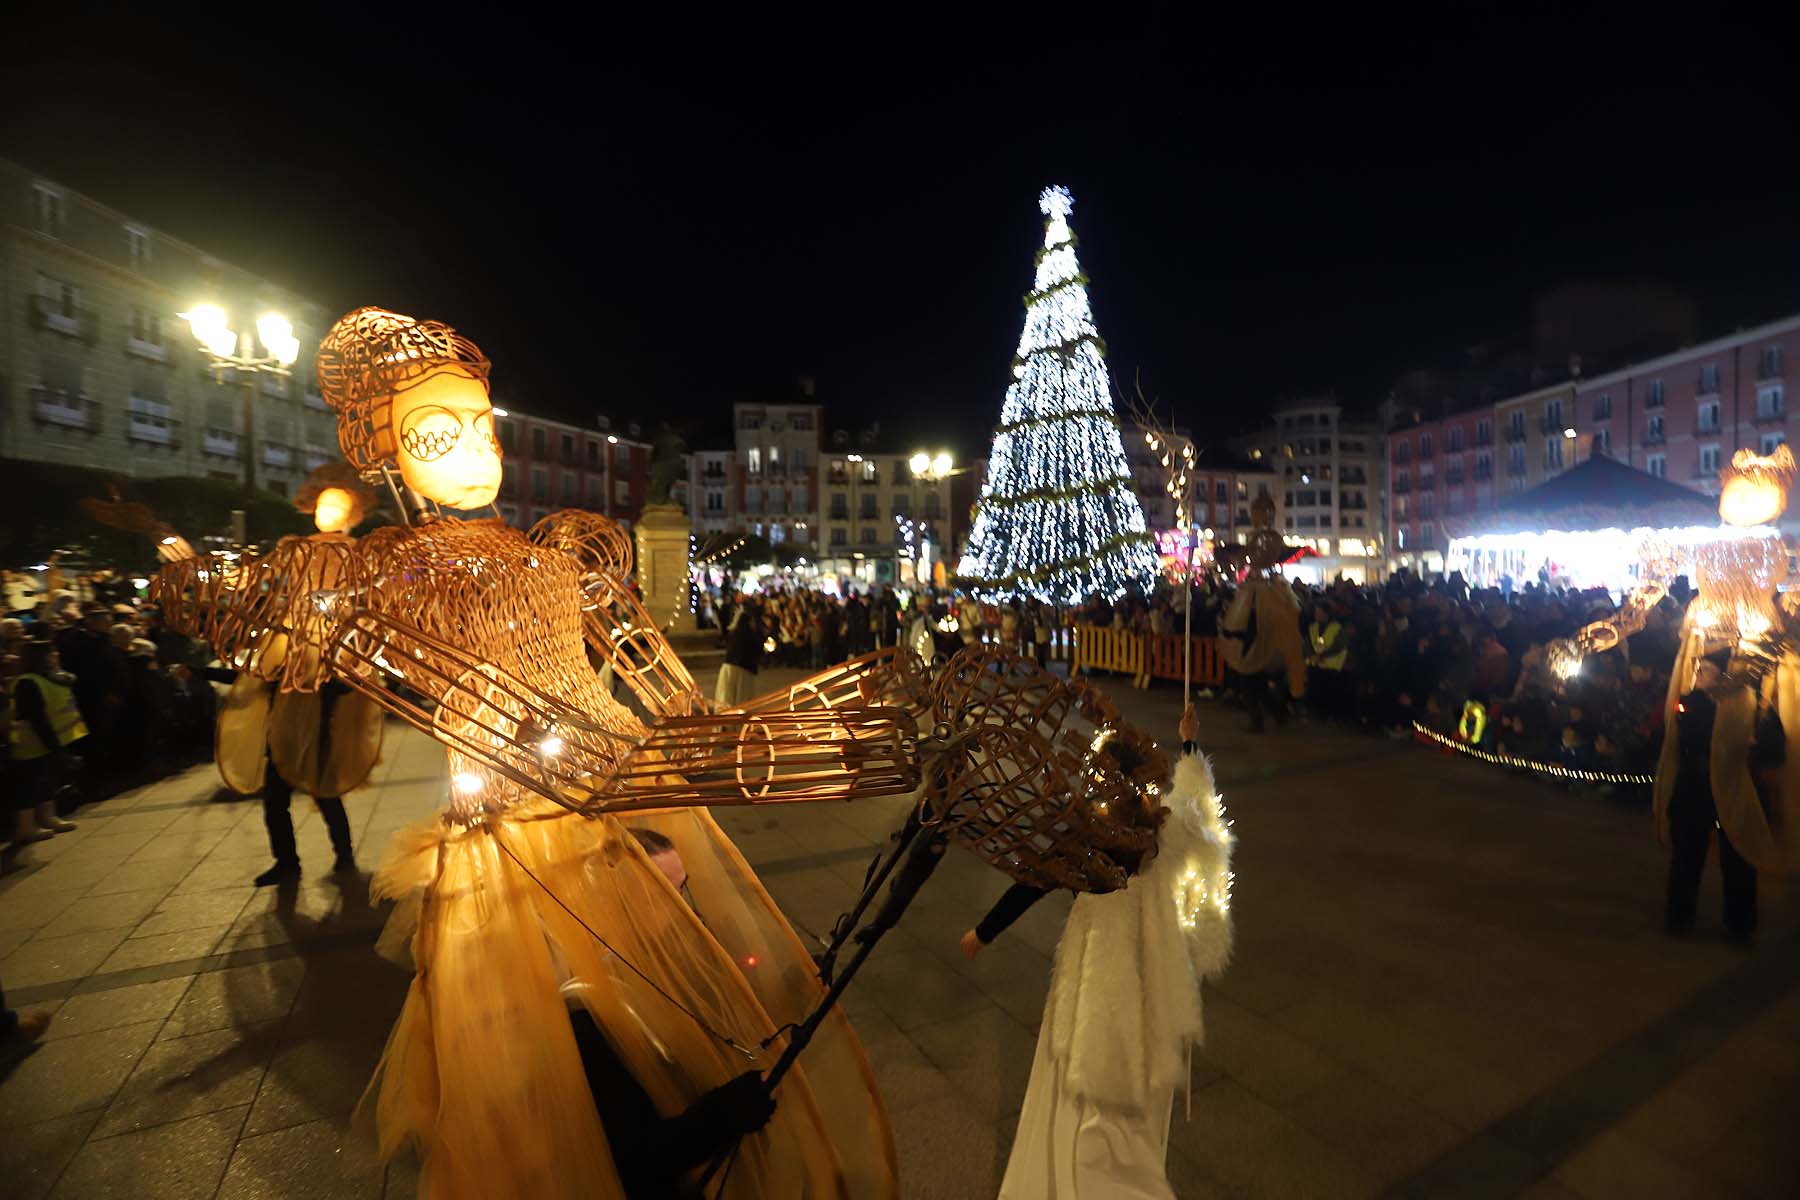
{"type": "Point", "coordinates": [468, 783]}
{"type": "Point", "coordinates": [1753, 489]}
{"type": "Point", "coordinates": [332, 510]}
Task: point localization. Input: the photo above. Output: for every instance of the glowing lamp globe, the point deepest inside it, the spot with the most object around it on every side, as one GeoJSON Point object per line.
{"type": "Point", "coordinates": [335, 511]}
{"type": "Point", "coordinates": [1753, 489]}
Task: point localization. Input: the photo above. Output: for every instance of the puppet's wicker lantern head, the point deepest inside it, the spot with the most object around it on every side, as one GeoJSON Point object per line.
{"type": "Point", "coordinates": [1753, 489]}
{"type": "Point", "coordinates": [415, 394]}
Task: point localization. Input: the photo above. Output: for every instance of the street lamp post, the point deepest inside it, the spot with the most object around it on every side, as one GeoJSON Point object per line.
{"type": "Point", "coordinates": [225, 348]}
{"type": "Point", "coordinates": [932, 469]}
{"type": "Point", "coordinates": [606, 457]}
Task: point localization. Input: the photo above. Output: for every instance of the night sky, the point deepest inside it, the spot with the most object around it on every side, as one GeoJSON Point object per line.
{"type": "Point", "coordinates": [654, 222]}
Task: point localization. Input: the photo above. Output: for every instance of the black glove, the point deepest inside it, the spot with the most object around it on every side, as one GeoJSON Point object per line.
{"type": "Point", "coordinates": [740, 1107]}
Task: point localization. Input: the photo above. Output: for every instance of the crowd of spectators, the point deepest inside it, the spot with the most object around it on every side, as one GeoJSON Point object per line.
{"type": "Point", "coordinates": [144, 710]}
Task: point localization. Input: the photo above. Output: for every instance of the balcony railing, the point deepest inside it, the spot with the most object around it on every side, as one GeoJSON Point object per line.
{"type": "Point", "coordinates": [1552, 423]}
{"type": "Point", "coordinates": [1654, 437]}
{"type": "Point", "coordinates": [274, 385]}
{"type": "Point", "coordinates": [70, 320]}
{"type": "Point", "coordinates": [838, 477]}
{"type": "Point", "coordinates": [1769, 368]}
{"type": "Point", "coordinates": [56, 406]}
{"type": "Point", "coordinates": [1515, 433]}
{"type": "Point", "coordinates": [1484, 437]}
{"type": "Point", "coordinates": [1482, 474]}
{"type": "Point", "coordinates": [314, 399]}
{"type": "Point", "coordinates": [1771, 414]}
{"type": "Point", "coordinates": [1515, 469]}
{"type": "Point", "coordinates": [276, 455]}
{"type": "Point", "coordinates": [150, 421]}
{"type": "Point", "coordinates": [1706, 425]}
{"type": "Point", "coordinates": [220, 442]}
{"type": "Point", "coordinates": [154, 351]}
{"type": "Point", "coordinates": [1453, 477]}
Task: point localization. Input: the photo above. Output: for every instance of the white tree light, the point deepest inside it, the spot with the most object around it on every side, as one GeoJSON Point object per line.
{"type": "Point", "coordinates": [1058, 517]}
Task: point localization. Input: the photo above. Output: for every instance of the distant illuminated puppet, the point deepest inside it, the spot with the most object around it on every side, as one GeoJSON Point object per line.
{"type": "Point", "coordinates": [1259, 635]}
{"type": "Point", "coordinates": [318, 736]}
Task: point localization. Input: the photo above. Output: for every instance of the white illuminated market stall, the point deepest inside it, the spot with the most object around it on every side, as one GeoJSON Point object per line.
{"type": "Point", "coordinates": [1595, 525]}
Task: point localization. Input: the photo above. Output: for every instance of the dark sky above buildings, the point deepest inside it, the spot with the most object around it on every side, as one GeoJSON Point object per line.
{"type": "Point", "coordinates": [656, 221]}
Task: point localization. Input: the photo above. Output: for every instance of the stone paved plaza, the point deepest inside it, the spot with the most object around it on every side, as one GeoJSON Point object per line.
{"type": "Point", "coordinates": [1449, 982]}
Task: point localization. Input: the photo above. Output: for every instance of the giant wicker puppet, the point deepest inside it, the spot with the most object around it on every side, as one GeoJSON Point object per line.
{"type": "Point", "coordinates": [532, 888]}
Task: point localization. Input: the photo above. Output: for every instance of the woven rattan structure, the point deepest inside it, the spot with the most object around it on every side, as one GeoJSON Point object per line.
{"type": "Point", "coordinates": [369, 356]}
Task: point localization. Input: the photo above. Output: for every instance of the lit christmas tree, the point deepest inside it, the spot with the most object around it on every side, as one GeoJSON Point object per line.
{"type": "Point", "coordinates": [1058, 518]}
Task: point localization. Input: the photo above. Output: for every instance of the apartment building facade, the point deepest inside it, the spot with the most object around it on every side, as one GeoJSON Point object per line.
{"type": "Point", "coordinates": [776, 478]}
{"type": "Point", "coordinates": [1333, 476]}
{"type": "Point", "coordinates": [98, 370]}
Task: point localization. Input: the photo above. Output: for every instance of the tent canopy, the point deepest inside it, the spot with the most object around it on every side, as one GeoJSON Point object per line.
{"type": "Point", "coordinates": [1601, 493]}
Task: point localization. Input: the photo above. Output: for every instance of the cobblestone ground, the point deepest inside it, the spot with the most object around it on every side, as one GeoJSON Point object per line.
{"type": "Point", "coordinates": [1449, 982]}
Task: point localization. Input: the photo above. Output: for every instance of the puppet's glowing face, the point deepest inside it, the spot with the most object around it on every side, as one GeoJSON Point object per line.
{"type": "Point", "coordinates": [444, 440]}
{"type": "Point", "coordinates": [1753, 489]}
{"type": "Point", "coordinates": [333, 511]}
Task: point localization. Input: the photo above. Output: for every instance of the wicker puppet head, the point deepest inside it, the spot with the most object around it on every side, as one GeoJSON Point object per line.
{"type": "Point", "coordinates": [1753, 490]}
{"type": "Point", "coordinates": [413, 393]}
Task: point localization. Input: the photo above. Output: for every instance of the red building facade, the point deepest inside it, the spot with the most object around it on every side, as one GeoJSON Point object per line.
{"type": "Point", "coordinates": [1680, 416]}
{"type": "Point", "coordinates": [552, 464]}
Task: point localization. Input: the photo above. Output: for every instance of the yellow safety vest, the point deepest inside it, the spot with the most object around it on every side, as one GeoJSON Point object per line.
{"type": "Point", "coordinates": [61, 711]}
{"type": "Point", "coordinates": [1321, 638]}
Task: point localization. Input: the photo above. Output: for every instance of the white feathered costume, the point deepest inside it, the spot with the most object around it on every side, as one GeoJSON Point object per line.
{"type": "Point", "coordinates": [1124, 1011]}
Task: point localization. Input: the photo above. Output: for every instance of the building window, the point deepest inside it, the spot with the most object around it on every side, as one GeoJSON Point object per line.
{"type": "Point", "coordinates": [568, 449]}
{"type": "Point", "coordinates": [1709, 378]}
{"type": "Point", "coordinates": [1553, 414]}
{"type": "Point", "coordinates": [621, 491]}
{"type": "Point", "coordinates": [1553, 458]}
{"type": "Point", "coordinates": [1403, 452]}
{"type": "Point", "coordinates": [1706, 417]}
{"type": "Point", "coordinates": [1653, 428]}
{"type": "Point", "coordinates": [1516, 423]}
{"type": "Point", "coordinates": [509, 436]}
{"type": "Point", "coordinates": [1427, 536]}
{"type": "Point", "coordinates": [137, 247]}
{"type": "Point", "coordinates": [47, 208]}
{"type": "Point", "coordinates": [1602, 406]}
{"type": "Point", "coordinates": [1425, 445]}
{"type": "Point", "coordinates": [866, 510]}
{"type": "Point", "coordinates": [1400, 507]}
{"type": "Point", "coordinates": [1602, 442]}
{"type": "Point", "coordinates": [1657, 465]}
{"type": "Point", "coordinates": [1768, 363]}
{"type": "Point", "coordinates": [540, 444]}
{"type": "Point", "coordinates": [1709, 459]}
{"type": "Point", "coordinates": [715, 502]}
{"type": "Point", "coordinates": [568, 487]}
{"type": "Point", "coordinates": [1484, 432]}
{"type": "Point", "coordinates": [1454, 439]}
{"type": "Point", "coordinates": [622, 456]}
{"type": "Point", "coordinates": [1772, 440]}
{"type": "Point", "coordinates": [753, 460]}
{"type": "Point", "coordinates": [1427, 501]}
{"type": "Point", "coordinates": [146, 326]}
{"type": "Point", "coordinates": [1771, 400]}
{"type": "Point", "coordinates": [1221, 492]}
{"type": "Point", "coordinates": [839, 536]}
{"type": "Point", "coordinates": [540, 484]}
{"type": "Point", "coordinates": [1400, 539]}
{"type": "Point", "coordinates": [1653, 394]}
{"type": "Point", "coordinates": [593, 492]}
{"type": "Point", "coordinates": [750, 420]}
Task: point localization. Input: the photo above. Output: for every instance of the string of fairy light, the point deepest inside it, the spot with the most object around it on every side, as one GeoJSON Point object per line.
{"type": "Point", "coordinates": [1555, 770]}
{"type": "Point", "coordinates": [697, 563]}
{"type": "Point", "coordinates": [1058, 518]}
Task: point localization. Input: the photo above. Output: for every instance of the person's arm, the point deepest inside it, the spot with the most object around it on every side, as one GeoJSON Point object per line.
{"type": "Point", "coordinates": [1014, 903]}
{"type": "Point", "coordinates": [32, 711]}
{"type": "Point", "coordinates": [651, 1150]}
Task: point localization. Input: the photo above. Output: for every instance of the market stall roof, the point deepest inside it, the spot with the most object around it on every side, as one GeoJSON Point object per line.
{"type": "Point", "coordinates": [1600, 493]}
